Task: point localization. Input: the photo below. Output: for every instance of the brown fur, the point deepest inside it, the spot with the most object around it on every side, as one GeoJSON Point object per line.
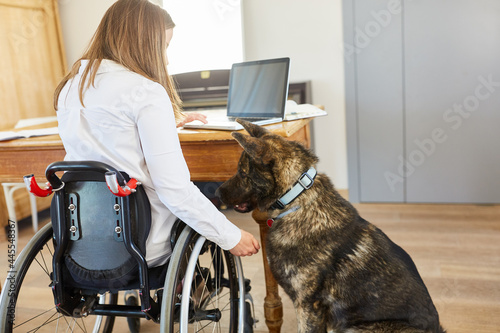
{"type": "Point", "coordinates": [341, 272]}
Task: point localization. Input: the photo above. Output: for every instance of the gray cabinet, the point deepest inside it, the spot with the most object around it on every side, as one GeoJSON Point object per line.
{"type": "Point", "coordinates": [423, 100]}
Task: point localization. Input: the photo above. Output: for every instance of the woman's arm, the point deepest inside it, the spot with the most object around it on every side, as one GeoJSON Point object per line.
{"type": "Point", "coordinates": [171, 179]}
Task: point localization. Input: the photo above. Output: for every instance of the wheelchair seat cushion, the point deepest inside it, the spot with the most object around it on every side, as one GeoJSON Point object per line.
{"type": "Point", "coordinates": [103, 279]}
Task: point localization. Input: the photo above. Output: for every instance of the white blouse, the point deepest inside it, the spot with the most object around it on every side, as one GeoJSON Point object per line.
{"type": "Point", "coordinates": [128, 123]}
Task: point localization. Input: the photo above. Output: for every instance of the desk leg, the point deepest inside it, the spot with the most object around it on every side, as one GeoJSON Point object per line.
{"type": "Point", "coordinates": [273, 308]}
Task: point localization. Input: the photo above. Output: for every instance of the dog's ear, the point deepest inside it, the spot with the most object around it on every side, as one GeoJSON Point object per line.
{"type": "Point", "coordinates": [254, 147]}
{"type": "Point", "coordinates": [254, 130]}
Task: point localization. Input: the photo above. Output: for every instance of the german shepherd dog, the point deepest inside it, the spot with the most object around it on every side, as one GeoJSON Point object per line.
{"type": "Point", "coordinates": [342, 273]}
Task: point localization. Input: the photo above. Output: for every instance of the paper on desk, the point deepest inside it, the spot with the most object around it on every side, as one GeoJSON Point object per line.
{"type": "Point", "coordinates": [35, 121]}
{"type": "Point", "coordinates": [294, 111]}
{"type": "Point", "coordinates": [11, 135]}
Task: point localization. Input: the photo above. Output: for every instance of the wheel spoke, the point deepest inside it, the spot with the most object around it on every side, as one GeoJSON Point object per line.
{"type": "Point", "coordinates": [33, 318]}
{"type": "Point", "coordinates": [34, 267]}
{"type": "Point", "coordinates": [44, 266]}
{"type": "Point", "coordinates": [47, 321]}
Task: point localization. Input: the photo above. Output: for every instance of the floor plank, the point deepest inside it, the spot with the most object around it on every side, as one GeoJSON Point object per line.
{"type": "Point", "coordinates": [455, 247]}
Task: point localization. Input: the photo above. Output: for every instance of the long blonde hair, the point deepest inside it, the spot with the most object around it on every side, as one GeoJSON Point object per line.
{"type": "Point", "coordinates": [133, 34]}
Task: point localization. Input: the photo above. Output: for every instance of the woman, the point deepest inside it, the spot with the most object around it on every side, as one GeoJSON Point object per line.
{"type": "Point", "coordinates": [118, 106]}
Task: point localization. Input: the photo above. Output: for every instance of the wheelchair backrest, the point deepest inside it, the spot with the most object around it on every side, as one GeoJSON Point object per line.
{"type": "Point", "coordinates": [96, 256]}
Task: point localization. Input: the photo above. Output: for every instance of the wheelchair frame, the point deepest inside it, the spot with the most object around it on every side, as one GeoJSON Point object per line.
{"type": "Point", "coordinates": [149, 308]}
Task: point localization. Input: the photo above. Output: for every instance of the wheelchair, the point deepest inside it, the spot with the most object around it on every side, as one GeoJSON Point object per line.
{"type": "Point", "coordinates": [94, 248]}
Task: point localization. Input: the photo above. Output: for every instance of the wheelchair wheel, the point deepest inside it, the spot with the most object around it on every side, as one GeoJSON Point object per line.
{"type": "Point", "coordinates": [201, 292]}
{"type": "Point", "coordinates": [30, 279]}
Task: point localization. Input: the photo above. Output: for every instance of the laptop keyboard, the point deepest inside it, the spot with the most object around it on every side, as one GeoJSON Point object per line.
{"type": "Point", "coordinates": [246, 118]}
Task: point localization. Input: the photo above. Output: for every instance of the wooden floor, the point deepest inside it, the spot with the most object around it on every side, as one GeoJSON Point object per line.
{"type": "Point", "coordinates": [455, 247]}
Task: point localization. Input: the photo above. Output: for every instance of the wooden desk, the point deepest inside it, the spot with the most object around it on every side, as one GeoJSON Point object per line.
{"type": "Point", "coordinates": [210, 155]}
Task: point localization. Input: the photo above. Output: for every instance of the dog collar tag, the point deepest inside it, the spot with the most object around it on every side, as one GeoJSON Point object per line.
{"type": "Point", "coordinates": [270, 222]}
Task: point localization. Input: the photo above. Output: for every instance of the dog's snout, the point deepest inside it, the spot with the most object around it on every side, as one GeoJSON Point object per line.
{"type": "Point", "coordinates": [223, 191]}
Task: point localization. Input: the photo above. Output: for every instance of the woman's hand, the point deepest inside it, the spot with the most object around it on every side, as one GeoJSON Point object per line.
{"type": "Point", "coordinates": [247, 246]}
{"type": "Point", "coordinates": [192, 116]}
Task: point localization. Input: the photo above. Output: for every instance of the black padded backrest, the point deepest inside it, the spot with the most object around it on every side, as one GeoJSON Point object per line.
{"type": "Point", "coordinates": [96, 255]}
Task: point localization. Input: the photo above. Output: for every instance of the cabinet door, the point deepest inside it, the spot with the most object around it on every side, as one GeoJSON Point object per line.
{"type": "Point", "coordinates": [452, 89]}
{"type": "Point", "coordinates": [32, 59]}
{"type": "Point", "coordinates": [32, 62]}
{"type": "Point", "coordinates": [376, 37]}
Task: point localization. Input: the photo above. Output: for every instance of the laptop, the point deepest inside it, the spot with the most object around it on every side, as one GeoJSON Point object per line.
{"type": "Point", "coordinates": [258, 91]}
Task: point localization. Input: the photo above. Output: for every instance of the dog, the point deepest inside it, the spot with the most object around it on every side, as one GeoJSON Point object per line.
{"type": "Point", "coordinates": [342, 273]}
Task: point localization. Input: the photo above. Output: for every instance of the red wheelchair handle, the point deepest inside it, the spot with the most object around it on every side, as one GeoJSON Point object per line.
{"type": "Point", "coordinates": [31, 184]}
{"type": "Point", "coordinates": [116, 189]}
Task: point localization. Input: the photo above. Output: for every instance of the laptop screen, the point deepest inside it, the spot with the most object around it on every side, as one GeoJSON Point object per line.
{"type": "Point", "coordinates": [258, 88]}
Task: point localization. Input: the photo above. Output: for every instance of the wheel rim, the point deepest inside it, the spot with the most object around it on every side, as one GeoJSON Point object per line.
{"type": "Point", "coordinates": [212, 291]}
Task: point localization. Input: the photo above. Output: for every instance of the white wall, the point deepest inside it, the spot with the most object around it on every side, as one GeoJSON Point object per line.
{"type": "Point", "coordinates": [310, 33]}
{"type": "Point", "coordinates": [79, 21]}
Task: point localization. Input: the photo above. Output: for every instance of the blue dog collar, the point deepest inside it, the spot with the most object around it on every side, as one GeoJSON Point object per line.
{"type": "Point", "coordinates": [305, 182]}
{"type": "Point", "coordinates": [291, 210]}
